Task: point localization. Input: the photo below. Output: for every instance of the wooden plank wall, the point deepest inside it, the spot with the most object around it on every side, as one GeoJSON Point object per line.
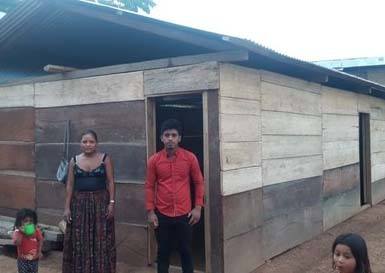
{"type": "Point", "coordinates": [240, 144]}
{"type": "Point", "coordinates": [17, 155]}
{"type": "Point", "coordinates": [376, 108]}
{"type": "Point", "coordinates": [340, 135]}
{"type": "Point", "coordinates": [291, 162]}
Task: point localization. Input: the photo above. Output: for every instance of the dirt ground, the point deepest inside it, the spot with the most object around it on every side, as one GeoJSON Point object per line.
{"type": "Point", "coordinates": [313, 256]}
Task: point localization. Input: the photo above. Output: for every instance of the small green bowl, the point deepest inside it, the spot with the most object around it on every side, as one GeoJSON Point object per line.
{"type": "Point", "coordinates": [29, 229]}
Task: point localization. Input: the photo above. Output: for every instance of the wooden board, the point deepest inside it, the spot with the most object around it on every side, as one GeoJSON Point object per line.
{"type": "Point", "coordinates": [339, 180]}
{"type": "Point", "coordinates": [290, 146]}
{"type": "Point", "coordinates": [19, 157]}
{"type": "Point", "coordinates": [244, 253]}
{"type": "Point", "coordinates": [242, 213]}
{"type": "Point", "coordinates": [17, 192]}
{"type": "Point", "coordinates": [109, 88]}
{"type": "Point", "coordinates": [17, 124]}
{"type": "Point", "coordinates": [287, 99]}
{"type": "Point", "coordinates": [121, 122]}
{"type": "Point", "coordinates": [17, 96]}
{"type": "Point", "coordinates": [240, 180]}
{"type": "Point", "coordinates": [295, 83]}
{"type": "Point", "coordinates": [239, 82]}
{"type": "Point", "coordinates": [181, 79]}
{"type": "Point", "coordinates": [235, 155]}
{"type": "Point", "coordinates": [282, 123]}
{"type": "Point", "coordinates": [129, 160]}
{"type": "Point", "coordinates": [238, 128]}
{"type": "Point", "coordinates": [340, 153]}
{"type": "Point", "coordinates": [339, 127]}
{"type": "Point", "coordinates": [337, 101]}
{"type": "Point", "coordinates": [287, 169]}
{"type": "Point", "coordinates": [239, 106]}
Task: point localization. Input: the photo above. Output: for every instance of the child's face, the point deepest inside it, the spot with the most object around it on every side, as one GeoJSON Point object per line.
{"type": "Point", "coordinates": [344, 260]}
{"type": "Point", "coordinates": [27, 220]}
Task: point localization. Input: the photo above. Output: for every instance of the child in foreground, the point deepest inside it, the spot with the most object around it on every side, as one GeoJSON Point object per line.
{"type": "Point", "coordinates": [29, 241]}
{"type": "Point", "coordinates": [350, 254]}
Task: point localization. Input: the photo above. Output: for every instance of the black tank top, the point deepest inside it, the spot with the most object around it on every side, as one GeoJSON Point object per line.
{"type": "Point", "coordinates": [93, 180]}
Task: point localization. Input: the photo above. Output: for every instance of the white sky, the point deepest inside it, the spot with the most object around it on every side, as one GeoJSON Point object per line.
{"type": "Point", "coordinates": [305, 29]}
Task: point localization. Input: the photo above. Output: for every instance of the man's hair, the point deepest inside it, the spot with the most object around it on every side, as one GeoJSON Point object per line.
{"type": "Point", "coordinates": [170, 124]}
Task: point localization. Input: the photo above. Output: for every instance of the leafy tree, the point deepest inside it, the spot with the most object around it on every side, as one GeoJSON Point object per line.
{"type": "Point", "coordinates": [132, 5]}
{"type": "Point", "coordinates": [7, 5]}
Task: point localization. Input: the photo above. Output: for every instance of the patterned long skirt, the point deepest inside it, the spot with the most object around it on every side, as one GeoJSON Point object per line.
{"type": "Point", "coordinates": [89, 240]}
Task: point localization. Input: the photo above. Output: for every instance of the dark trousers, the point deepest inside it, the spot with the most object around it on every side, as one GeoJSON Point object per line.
{"type": "Point", "coordinates": [174, 231]}
{"type": "Point", "coordinates": [26, 266]}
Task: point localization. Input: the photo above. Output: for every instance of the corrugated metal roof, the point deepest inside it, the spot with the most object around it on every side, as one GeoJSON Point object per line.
{"type": "Point", "coordinates": [78, 34]}
{"type": "Point", "coordinates": [352, 62]}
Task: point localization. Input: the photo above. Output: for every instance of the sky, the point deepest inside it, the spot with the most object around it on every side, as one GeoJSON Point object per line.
{"type": "Point", "coordinates": [308, 30]}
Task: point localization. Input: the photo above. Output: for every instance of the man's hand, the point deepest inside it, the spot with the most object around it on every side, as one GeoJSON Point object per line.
{"type": "Point", "coordinates": [195, 215]}
{"type": "Point", "coordinates": [152, 219]}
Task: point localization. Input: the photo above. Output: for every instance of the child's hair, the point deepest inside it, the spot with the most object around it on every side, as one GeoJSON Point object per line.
{"type": "Point", "coordinates": [358, 248]}
{"type": "Point", "coordinates": [24, 213]}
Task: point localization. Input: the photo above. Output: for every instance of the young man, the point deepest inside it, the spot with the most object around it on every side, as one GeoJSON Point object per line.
{"type": "Point", "coordinates": [168, 197]}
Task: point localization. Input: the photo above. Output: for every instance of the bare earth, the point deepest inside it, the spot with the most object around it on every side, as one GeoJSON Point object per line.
{"type": "Point", "coordinates": [311, 257]}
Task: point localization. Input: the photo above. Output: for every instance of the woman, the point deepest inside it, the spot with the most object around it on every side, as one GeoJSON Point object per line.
{"type": "Point", "coordinates": [89, 241]}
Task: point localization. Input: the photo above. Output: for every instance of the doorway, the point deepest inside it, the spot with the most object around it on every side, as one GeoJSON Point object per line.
{"type": "Point", "coordinates": [188, 109]}
{"type": "Point", "coordinates": [365, 164]}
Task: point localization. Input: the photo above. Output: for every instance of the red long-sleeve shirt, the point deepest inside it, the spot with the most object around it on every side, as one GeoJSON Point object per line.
{"type": "Point", "coordinates": [168, 183]}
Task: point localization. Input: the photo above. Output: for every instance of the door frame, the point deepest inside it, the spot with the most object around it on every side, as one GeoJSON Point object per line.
{"type": "Point", "coordinates": [365, 161]}
{"type": "Point", "coordinates": [213, 234]}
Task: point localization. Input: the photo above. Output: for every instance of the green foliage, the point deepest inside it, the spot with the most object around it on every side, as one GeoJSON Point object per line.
{"type": "Point", "coordinates": [132, 5]}
{"type": "Point", "coordinates": [7, 5]}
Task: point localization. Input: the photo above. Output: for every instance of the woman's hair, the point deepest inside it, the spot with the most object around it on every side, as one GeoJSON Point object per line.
{"type": "Point", "coordinates": [170, 124]}
{"type": "Point", "coordinates": [90, 132]}
{"type": "Point", "coordinates": [24, 213]}
{"type": "Point", "coordinates": [358, 248]}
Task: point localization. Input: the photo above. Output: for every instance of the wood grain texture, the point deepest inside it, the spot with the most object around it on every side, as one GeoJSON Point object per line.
{"type": "Point", "coordinates": [239, 106]}
{"type": "Point", "coordinates": [235, 155]}
{"type": "Point", "coordinates": [113, 122]}
{"type": "Point", "coordinates": [17, 96]}
{"type": "Point", "coordinates": [108, 88]}
{"type": "Point", "coordinates": [287, 169]}
{"type": "Point", "coordinates": [17, 192]}
{"type": "Point", "coordinates": [240, 180]}
{"type": "Point", "coordinates": [129, 160]}
{"type": "Point", "coordinates": [17, 124]}
{"type": "Point", "coordinates": [244, 253]}
{"type": "Point", "coordinates": [339, 180]}
{"type": "Point", "coordinates": [195, 77]}
{"type": "Point", "coordinates": [340, 153]}
{"type": "Point", "coordinates": [279, 79]}
{"type": "Point", "coordinates": [242, 212]}
{"type": "Point", "coordinates": [337, 101]}
{"type": "Point", "coordinates": [237, 128]}
{"type": "Point", "coordinates": [281, 123]}
{"type": "Point", "coordinates": [287, 99]}
{"type": "Point", "coordinates": [19, 157]}
{"type": "Point", "coordinates": [239, 82]}
{"type": "Point", "coordinates": [339, 127]}
{"type": "Point", "coordinates": [290, 146]}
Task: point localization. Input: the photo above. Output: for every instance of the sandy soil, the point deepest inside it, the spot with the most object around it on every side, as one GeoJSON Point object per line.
{"type": "Point", "coordinates": [313, 256]}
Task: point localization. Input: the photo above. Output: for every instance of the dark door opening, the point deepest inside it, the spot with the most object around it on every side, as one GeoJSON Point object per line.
{"type": "Point", "coordinates": [188, 110]}
{"type": "Point", "coordinates": [365, 165]}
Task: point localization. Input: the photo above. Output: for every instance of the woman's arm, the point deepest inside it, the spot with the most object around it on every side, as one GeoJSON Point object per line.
{"type": "Point", "coordinates": [110, 186]}
{"type": "Point", "coordinates": [69, 191]}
